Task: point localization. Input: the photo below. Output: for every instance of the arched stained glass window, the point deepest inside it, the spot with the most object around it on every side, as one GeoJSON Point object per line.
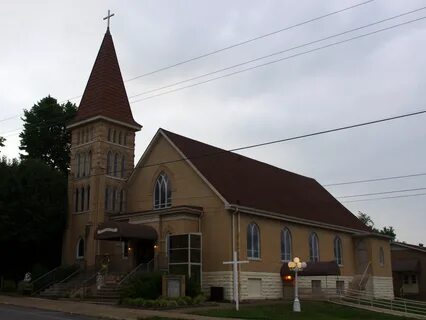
{"type": "Point", "coordinates": [285, 245]}
{"type": "Point", "coordinates": [123, 166]}
{"type": "Point", "coordinates": [109, 163]}
{"type": "Point", "coordinates": [253, 241]}
{"type": "Point", "coordinates": [78, 165]}
{"type": "Point", "coordinates": [338, 250]}
{"type": "Point", "coordinates": [313, 247]}
{"type": "Point", "coordinates": [162, 192]}
{"type": "Point", "coordinates": [115, 172]}
{"type": "Point", "coordinates": [88, 198]}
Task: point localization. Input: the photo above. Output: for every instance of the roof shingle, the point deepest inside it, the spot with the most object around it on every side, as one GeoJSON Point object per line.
{"type": "Point", "coordinates": [254, 184]}
{"type": "Point", "coordinates": [105, 94]}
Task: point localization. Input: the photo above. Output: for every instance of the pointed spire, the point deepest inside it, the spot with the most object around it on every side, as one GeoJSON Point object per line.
{"type": "Point", "coordinates": [105, 95]}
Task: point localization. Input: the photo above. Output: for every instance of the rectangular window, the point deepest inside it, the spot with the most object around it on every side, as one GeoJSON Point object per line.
{"type": "Point", "coordinates": [340, 286]}
{"type": "Point", "coordinates": [406, 279]}
{"type": "Point", "coordinates": [184, 251]}
{"type": "Point", "coordinates": [316, 286]}
{"type": "Point", "coordinates": [413, 279]}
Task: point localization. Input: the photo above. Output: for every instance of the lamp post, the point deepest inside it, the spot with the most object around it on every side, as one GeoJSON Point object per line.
{"type": "Point", "coordinates": [296, 265]}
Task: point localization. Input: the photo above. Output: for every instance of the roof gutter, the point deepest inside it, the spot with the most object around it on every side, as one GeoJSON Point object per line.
{"type": "Point", "coordinates": [284, 217]}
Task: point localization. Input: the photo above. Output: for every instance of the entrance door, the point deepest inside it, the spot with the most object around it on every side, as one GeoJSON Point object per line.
{"type": "Point", "coordinates": [144, 251]}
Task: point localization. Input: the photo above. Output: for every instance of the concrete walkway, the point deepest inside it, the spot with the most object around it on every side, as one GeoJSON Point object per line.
{"type": "Point", "coordinates": [96, 310]}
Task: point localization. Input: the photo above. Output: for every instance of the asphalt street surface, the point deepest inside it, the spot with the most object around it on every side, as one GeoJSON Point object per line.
{"type": "Point", "coordinates": [19, 313]}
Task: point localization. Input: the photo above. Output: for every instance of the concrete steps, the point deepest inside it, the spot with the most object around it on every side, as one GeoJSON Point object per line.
{"type": "Point", "coordinates": [110, 292]}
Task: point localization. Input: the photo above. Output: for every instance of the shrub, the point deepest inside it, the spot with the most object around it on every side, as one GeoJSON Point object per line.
{"type": "Point", "coordinates": [193, 287]}
{"type": "Point", "coordinates": [199, 299]}
{"type": "Point", "coordinates": [9, 285]}
{"type": "Point", "coordinates": [144, 285]}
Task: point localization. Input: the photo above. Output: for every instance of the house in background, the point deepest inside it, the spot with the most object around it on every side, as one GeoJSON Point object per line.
{"type": "Point", "coordinates": [409, 270]}
{"type": "Point", "coordinates": [186, 206]}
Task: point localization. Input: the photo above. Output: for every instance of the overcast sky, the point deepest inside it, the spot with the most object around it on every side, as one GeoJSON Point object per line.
{"type": "Point", "coordinates": [49, 47]}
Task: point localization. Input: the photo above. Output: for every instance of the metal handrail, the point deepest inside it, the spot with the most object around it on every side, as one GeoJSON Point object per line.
{"type": "Point", "coordinates": [70, 276]}
{"type": "Point", "coordinates": [367, 299]}
{"type": "Point", "coordinates": [364, 274]}
{"type": "Point", "coordinates": [136, 269]}
{"type": "Point", "coordinates": [44, 275]}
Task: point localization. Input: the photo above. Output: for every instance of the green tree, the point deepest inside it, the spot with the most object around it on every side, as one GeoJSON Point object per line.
{"type": "Point", "coordinates": [45, 135]}
{"type": "Point", "coordinates": [33, 199]}
{"type": "Point", "coordinates": [389, 231]}
{"type": "Point", "coordinates": [2, 140]}
{"type": "Point", "coordinates": [366, 219]}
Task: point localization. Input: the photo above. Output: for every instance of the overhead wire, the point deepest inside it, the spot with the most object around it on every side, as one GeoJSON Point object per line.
{"type": "Point", "coordinates": [231, 46]}
{"type": "Point", "coordinates": [278, 52]}
{"type": "Point", "coordinates": [279, 60]}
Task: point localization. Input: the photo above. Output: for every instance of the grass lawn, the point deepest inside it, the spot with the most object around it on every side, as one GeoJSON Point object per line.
{"type": "Point", "coordinates": [310, 310]}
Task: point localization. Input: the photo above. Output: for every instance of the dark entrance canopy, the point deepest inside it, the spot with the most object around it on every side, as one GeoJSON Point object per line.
{"type": "Point", "coordinates": [122, 230]}
{"type": "Point", "coordinates": [323, 268]}
{"type": "Point", "coordinates": [409, 265]}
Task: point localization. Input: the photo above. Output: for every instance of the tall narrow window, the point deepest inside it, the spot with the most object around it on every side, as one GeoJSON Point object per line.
{"type": "Point", "coordinates": [115, 173]}
{"type": "Point", "coordinates": [313, 247]}
{"type": "Point", "coordinates": [82, 199]}
{"type": "Point", "coordinates": [87, 134]}
{"type": "Point", "coordinates": [124, 139]}
{"type": "Point", "coordinates": [114, 198]}
{"type": "Point", "coordinates": [125, 249]}
{"type": "Point", "coordinates": [109, 163]}
{"type": "Point", "coordinates": [114, 136]}
{"type": "Point", "coordinates": [122, 166]}
{"type": "Point", "coordinates": [381, 257]}
{"type": "Point", "coordinates": [76, 199]}
{"type": "Point", "coordinates": [109, 134]}
{"type": "Point", "coordinates": [78, 165]}
{"type": "Point", "coordinates": [285, 245]}
{"type": "Point", "coordinates": [106, 204]}
{"type": "Point", "coordinates": [78, 137]}
{"type": "Point", "coordinates": [80, 249]}
{"type": "Point", "coordinates": [162, 192]}
{"type": "Point", "coordinates": [85, 165]}
{"type": "Point", "coordinates": [253, 241]}
{"type": "Point", "coordinates": [89, 169]}
{"type": "Point", "coordinates": [121, 200]}
{"type": "Point", "coordinates": [120, 137]}
{"type": "Point", "coordinates": [338, 251]}
{"type": "Point", "coordinates": [88, 198]}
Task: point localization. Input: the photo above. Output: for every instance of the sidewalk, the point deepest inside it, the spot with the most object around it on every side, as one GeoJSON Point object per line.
{"type": "Point", "coordinates": [96, 310]}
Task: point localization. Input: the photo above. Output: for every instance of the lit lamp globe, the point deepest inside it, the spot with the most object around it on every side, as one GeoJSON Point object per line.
{"type": "Point", "coordinates": [291, 265]}
{"type": "Point", "coordinates": [296, 259]}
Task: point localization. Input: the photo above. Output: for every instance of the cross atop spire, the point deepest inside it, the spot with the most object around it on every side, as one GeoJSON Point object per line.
{"type": "Point", "coordinates": [109, 17]}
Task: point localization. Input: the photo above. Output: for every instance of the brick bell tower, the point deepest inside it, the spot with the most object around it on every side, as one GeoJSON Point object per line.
{"type": "Point", "coordinates": [102, 157]}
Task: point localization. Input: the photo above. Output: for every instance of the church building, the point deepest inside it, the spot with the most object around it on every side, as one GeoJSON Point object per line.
{"type": "Point", "coordinates": [186, 206]}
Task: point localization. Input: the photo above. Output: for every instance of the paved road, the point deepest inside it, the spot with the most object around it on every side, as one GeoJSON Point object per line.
{"type": "Point", "coordinates": [20, 313]}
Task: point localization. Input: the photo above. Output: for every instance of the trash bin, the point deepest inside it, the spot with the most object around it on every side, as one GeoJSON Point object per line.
{"type": "Point", "coordinates": [216, 293]}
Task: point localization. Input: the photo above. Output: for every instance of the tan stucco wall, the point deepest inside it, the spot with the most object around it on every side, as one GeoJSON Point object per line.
{"type": "Point", "coordinates": [188, 189]}
{"type": "Point", "coordinates": [270, 249]}
{"type": "Point", "coordinates": [83, 224]}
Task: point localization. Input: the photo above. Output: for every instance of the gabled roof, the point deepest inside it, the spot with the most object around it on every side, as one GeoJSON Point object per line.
{"type": "Point", "coordinates": [250, 183]}
{"type": "Point", "coordinates": [105, 94]}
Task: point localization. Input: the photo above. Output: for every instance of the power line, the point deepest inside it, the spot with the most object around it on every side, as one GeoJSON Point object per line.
{"type": "Point", "coordinates": [376, 179]}
{"type": "Point", "coordinates": [383, 198]}
{"type": "Point", "coordinates": [270, 55]}
{"type": "Point", "coordinates": [249, 40]}
{"type": "Point", "coordinates": [281, 59]}
{"type": "Point", "coordinates": [278, 52]}
{"type": "Point", "coordinates": [378, 193]}
{"type": "Point", "coordinates": [241, 43]}
{"type": "Point", "coordinates": [281, 140]}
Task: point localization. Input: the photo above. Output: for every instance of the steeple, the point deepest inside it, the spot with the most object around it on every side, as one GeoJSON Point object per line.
{"type": "Point", "coordinates": [105, 95]}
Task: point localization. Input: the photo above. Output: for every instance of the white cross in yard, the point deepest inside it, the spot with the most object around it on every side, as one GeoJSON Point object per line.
{"type": "Point", "coordinates": [235, 263]}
